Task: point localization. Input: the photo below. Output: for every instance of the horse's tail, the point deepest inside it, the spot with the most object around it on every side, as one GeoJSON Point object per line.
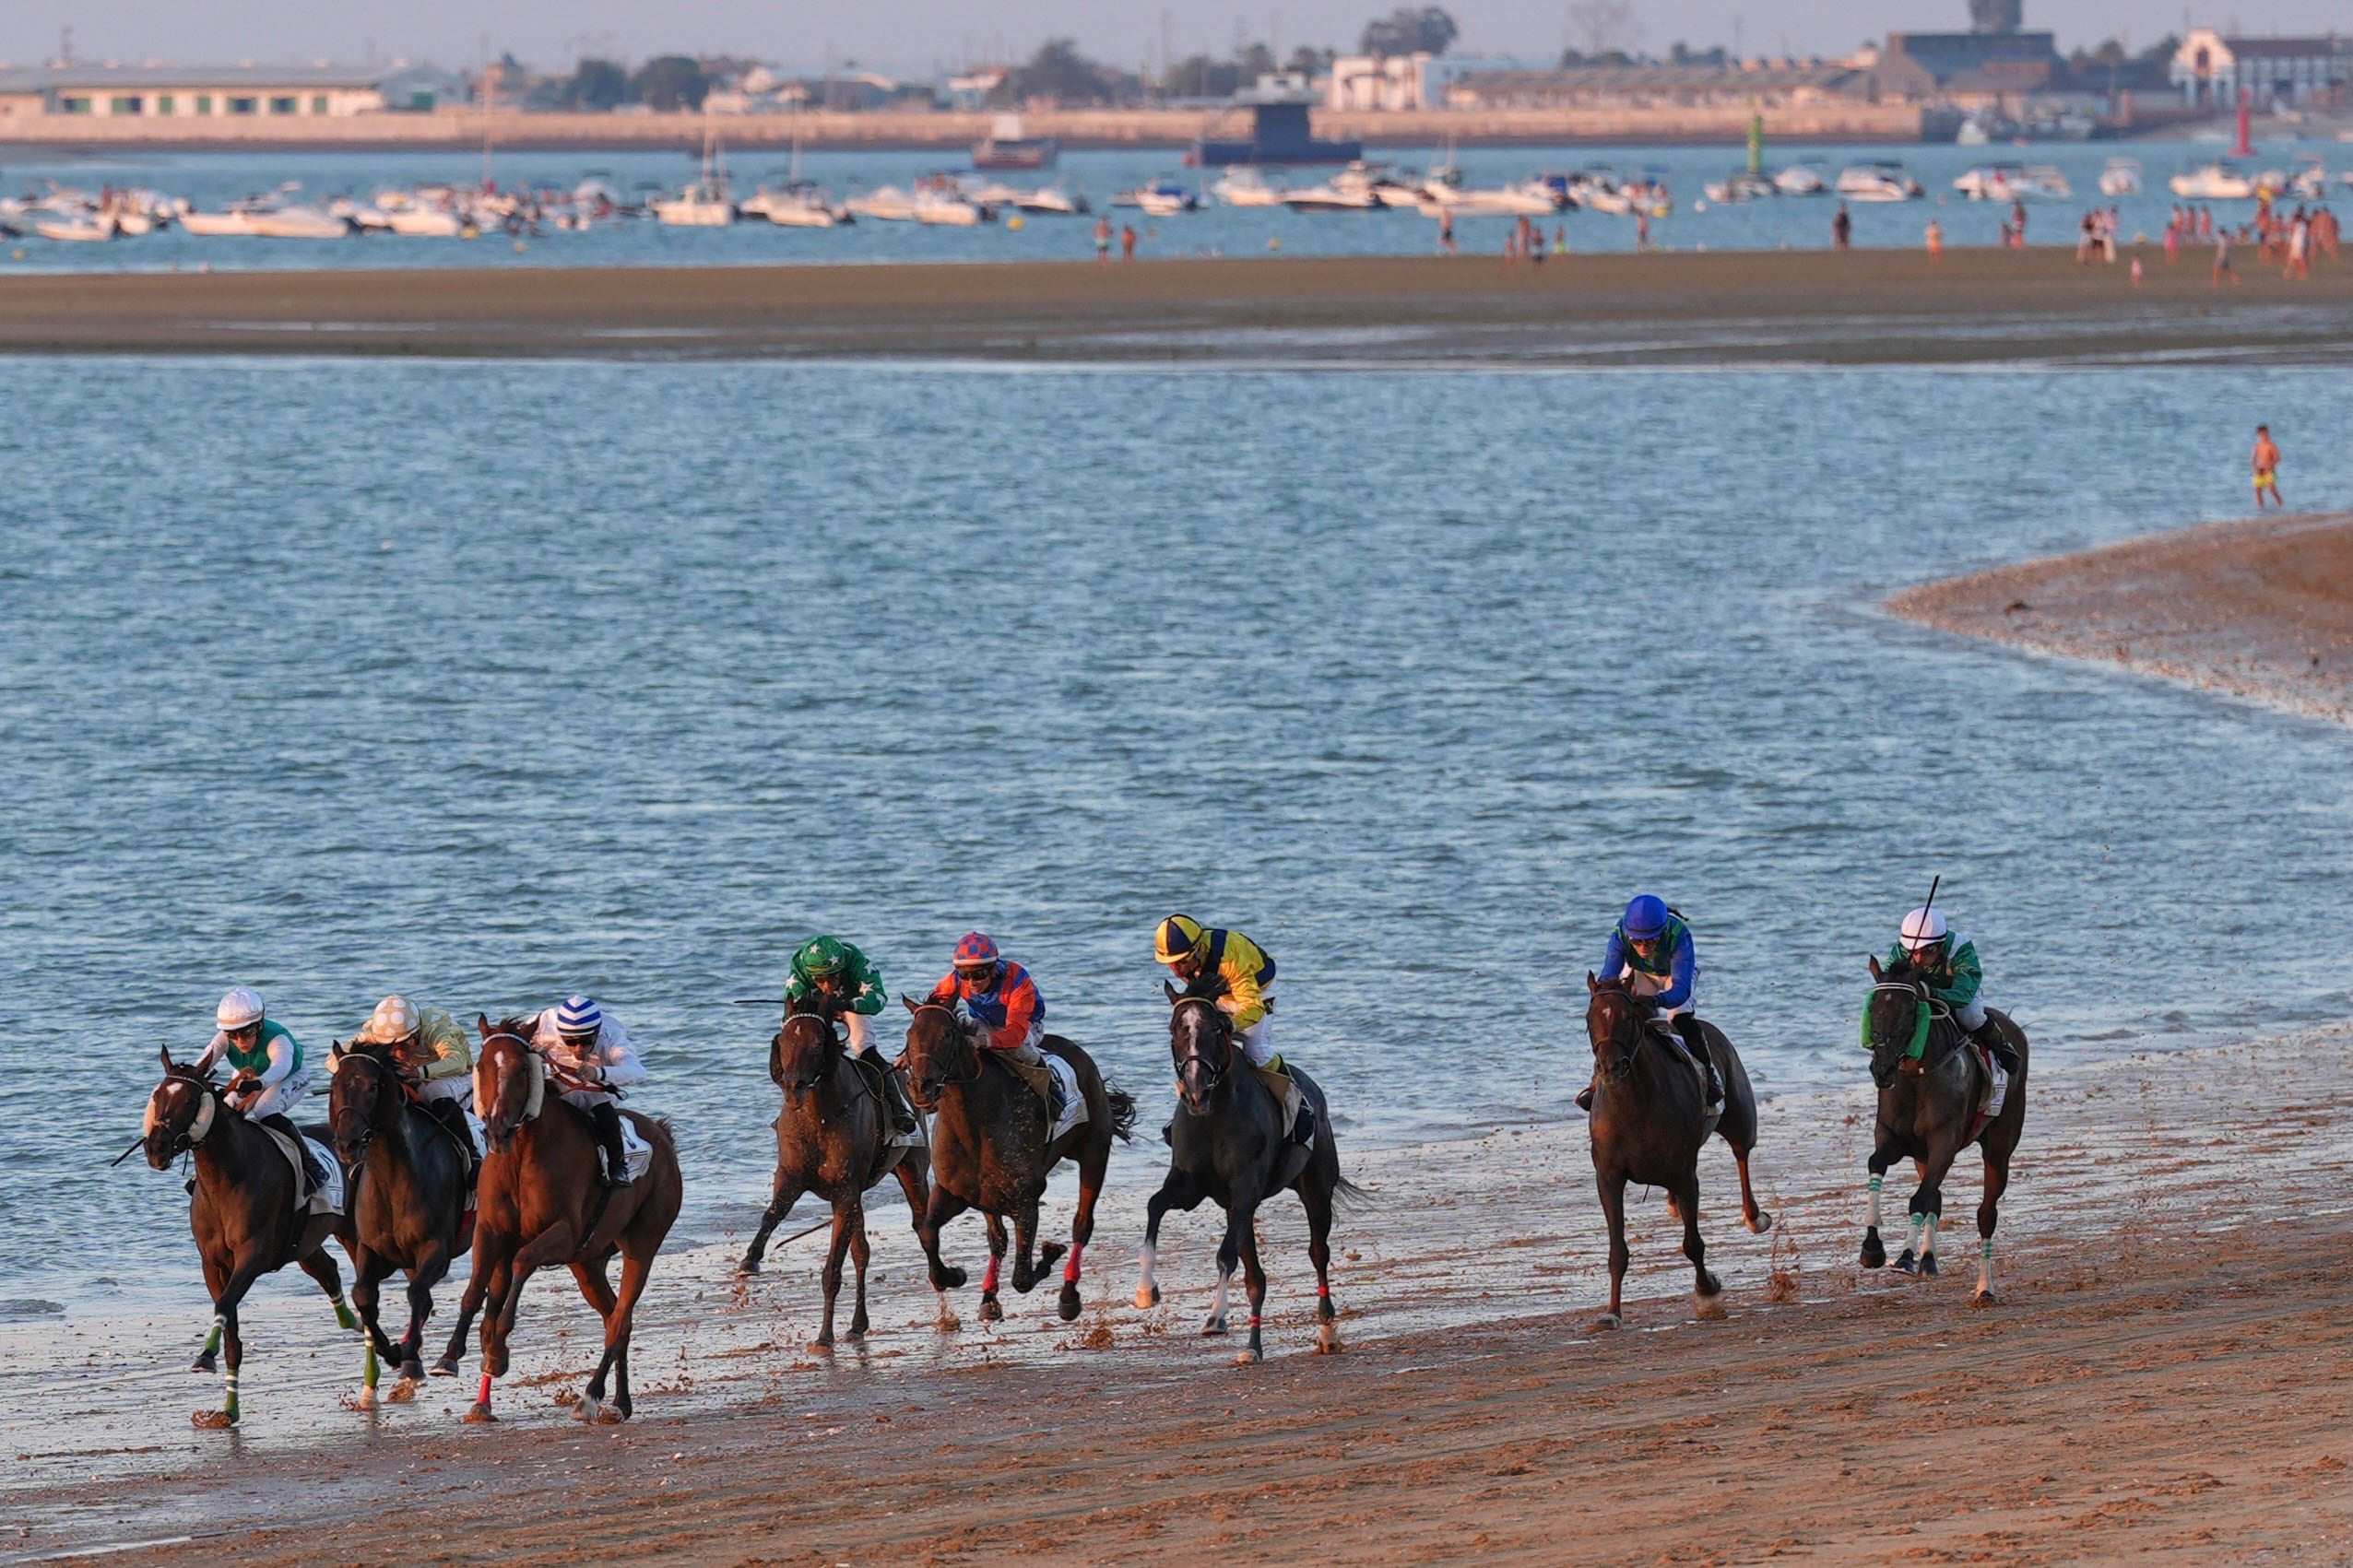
{"type": "Point", "coordinates": [1123, 1112]}
{"type": "Point", "coordinates": [1347, 1197]}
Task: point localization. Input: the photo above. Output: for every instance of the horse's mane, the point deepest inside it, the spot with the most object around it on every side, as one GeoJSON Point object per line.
{"type": "Point", "coordinates": [520, 1025]}
{"type": "Point", "coordinates": [187, 1072]}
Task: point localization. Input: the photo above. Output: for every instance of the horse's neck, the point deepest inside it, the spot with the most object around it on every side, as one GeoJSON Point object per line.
{"type": "Point", "coordinates": [233, 1150]}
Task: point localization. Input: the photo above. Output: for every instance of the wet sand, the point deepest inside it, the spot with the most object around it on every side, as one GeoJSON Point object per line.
{"type": "Point", "coordinates": [1813, 307]}
{"type": "Point", "coordinates": [2163, 1376]}
{"type": "Point", "coordinates": [2261, 608]}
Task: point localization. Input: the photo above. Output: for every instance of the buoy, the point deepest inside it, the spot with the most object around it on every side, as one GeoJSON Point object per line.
{"type": "Point", "coordinates": [1014, 223]}
{"type": "Point", "coordinates": [1274, 243]}
{"type": "Point", "coordinates": [518, 247]}
{"type": "Point", "coordinates": [17, 255]}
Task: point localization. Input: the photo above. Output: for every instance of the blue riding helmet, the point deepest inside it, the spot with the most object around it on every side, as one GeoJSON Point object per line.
{"type": "Point", "coordinates": [1645, 920]}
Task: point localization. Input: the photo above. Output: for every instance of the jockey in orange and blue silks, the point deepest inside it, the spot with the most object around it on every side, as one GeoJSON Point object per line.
{"type": "Point", "coordinates": [1650, 947]}
{"type": "Point", "coordinates": [999, 995]}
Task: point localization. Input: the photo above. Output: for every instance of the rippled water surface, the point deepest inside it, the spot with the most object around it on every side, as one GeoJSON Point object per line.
{"type": "Point", "coordinates": [486, 682]}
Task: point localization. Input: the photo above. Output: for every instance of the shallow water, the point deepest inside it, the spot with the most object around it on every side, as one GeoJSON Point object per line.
{"type": "Point", "coordinates": [212, 180]}
{"type": "Point", "coordinates": [491, 681]}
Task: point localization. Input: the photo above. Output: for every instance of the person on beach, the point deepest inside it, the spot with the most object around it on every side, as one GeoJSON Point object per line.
{"type": "Point", "coordinates": [1935, 237]}
{"type": "Point", "coordinates": [1446, 233]}
{"type": "Point", "coordinates": [1650, 949]}
{"type": "Point", "coordinates": [1126, 242]}
{"type": "Point", "coordinates": [1949, 962]}
{"type": "Point", "coordinates": [1000, 995]}
{"type": "Point", "coordinates": [589, 1060]}
{"type": "Point", "coordinates": [1103, 240]}
{"type": "Point", "coordinates": [2222, 268]}
{"type": "Point", "coordinates": [2018, 224]}
{"type": "Point", "coordinates": [2299, 246]}
{"type": "Point", "coordinates": [2266, 469]}
{"type": "Point", "coordinates": [832, 977]}
{"type": "Point", "coordinates": [267, 1076]}
{"type": "Point", "coordinates": [1560, 239]}
{"type": "Point", "coordinates": [435, 1061]}
{"type": "Point", "coordinates": [1842, 229]}
{"type": "Point", "coordinates": [1641, 230]}
{"type": "Point", "coordinates": [1238, 976]}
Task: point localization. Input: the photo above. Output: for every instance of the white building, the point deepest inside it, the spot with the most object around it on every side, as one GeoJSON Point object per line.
{"type": "Point", "coordinates": [2212, 69]}
{"type": "Point", "coordinates": [1421, 80]}
{"type": "Point", "coordinates": [208, 91]}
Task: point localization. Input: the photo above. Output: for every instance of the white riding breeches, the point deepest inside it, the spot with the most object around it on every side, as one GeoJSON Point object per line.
{"type": "Point", "coordinates": [860, 1029]}
{"type": "Point", "coordinates": [586, 1099]}
{"type": "Point", "coordinates": [457, 1086]}
{"type": "Point", "coordinates": [1971, 1018]}
{"type": "Point", "coordinates": [281, 1098]}
{"type": "Point", "coordinates": [1643, 985]}
{"type": "Point", "coordinates": [1256, 1040]}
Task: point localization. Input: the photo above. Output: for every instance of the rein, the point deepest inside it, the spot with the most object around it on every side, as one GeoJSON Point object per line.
{"type": "Point", "coordinates": [970, 1077]}
{"type": "Point", "coordinates": [1217, 1072]}
{"type": "Point", "coordinates": [200, 1128]}
{"type": "Point", "coordinates": [1926, 1009]}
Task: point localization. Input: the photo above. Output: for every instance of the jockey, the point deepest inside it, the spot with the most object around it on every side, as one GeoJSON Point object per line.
{"type": "Point", "coordinates": [268, 1077]}
{"type": "Point", "coordinates": [1947, 961]}
{"type": "Point", "coordinates": [1000, 997]}
{"type": "Point", "coordinates": [588, 1055]}
{"type": "Point", "coordinates": [1235, 973]}
{"type": "Point", "coordinates": [433, 1057]}
{"type": "Point", "coordinates": [832, 978]}
{"type": "Point", "coordinates": [1650, 947]}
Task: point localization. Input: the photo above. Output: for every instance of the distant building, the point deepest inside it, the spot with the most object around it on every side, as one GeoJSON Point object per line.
{"type": "Point", "coordinates": [227, 91]}
{"type": "Point", "coordinates": [1742, 84]}
{"type": "Point", "coordinates": [1399, 82]}
{"type": "Point", "coordinates": [2210, 70]}
{"type": "Point", "coordinates": [1969, 70]}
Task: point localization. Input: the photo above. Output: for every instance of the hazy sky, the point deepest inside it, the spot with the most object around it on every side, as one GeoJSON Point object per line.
{"type": "Point", "coordinates": [912, 34]}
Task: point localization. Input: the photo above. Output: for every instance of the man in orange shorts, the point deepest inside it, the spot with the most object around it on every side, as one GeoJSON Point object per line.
{"type": "Point", "coordinates": [2266, 469]}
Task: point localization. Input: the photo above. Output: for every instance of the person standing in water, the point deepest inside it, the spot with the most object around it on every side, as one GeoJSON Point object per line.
{"type": "Point", "coordinates": [2266, 469]}
{"type": "Point", "coordinates": [1842, 229]}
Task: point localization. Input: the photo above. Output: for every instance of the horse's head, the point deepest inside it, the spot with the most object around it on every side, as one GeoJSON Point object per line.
{"type": "Point", "coordinates": [180, 1113]}
{"type": "Point", "coordinates": [1614, 1020]}
{"type": "Point", "coordinates": [504, 1076]}
{"type": "Point", "coordinates": [1200, 1040]}
{"type": "Point", "coordinates": [1896, 1020]}
{"type": "Point", "coordinates": [359, 1098]}
{"type": "Point", "coordinates": [942, 1049]}
{"type": "Point", "coordinates": [805, 1051]}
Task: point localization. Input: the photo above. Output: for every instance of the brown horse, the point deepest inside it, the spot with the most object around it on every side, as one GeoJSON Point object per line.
{"type": "Point", "coordinates": [242, 1217]}
{"type": "Point", "coordinates": [1649, 1126]}
{"type": "Point", "coordinates": [406, 1204]}
{"type": "Point", "coordinates": [989, 1152]}
{"type": "Point", "coordinates": [1928, 1104]}
{"type": "Point", "coordinates": [540, 1201]}
{"type": "Point", "coordinates": [830, 1139]}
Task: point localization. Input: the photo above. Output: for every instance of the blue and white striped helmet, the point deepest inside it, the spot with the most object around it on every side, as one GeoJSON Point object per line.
{"type": "Point", "coordinates": [579, 1019]}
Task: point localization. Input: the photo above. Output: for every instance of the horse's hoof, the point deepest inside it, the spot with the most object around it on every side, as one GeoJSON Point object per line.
{"type": "Point", "coordinates": [446, 1367]}
{"type": "Point", "coordinates": [478, 1414]}
{"type": "Point", "coordinates": [366, 1401]}
{"type": "Point", "coordinates": [610, 1415]}
{"type": "Point", "coordinates": [949, 1278]}
{"type": "Point", "coordinates": [1759, 1223]}
{"type": "Point", "coordinates": [1604, 1322]}
{"type": "Point", "coordinates": [1147, 1297]}
{"type": "Point", "coordinates": [1068, 1304]}
{"type": "Point", "coordinates": [747, 1269]}
{"type": "Point", "coordinates": [585, 1409]}
{"type": "Point", "coordinates": [412, 1371]}
{"type": "Point", "coordinates": [822, 1346]}
{"type": "Point", "coordinates": [205, 1363]}
{"type": "Point", "coordinates": [1982, 1298]}
{"type": "Point", "coordinates": [1873, 1255]}
{"type": "Point", "coordinates": [1707, 1308]}
{"type": "Point", "coordinates": [213, 1421]}
{"type": "Point", "coordinates": [1215, 1327]}
{"type": "Point", "coordinates": [1906, 1263]}
{"type": "Point", "coordinates": [1250, 1357]}
{"type": "Point", "coordinates": [402, 1391]}
{"type": "Point", "coordinates": [857, 1336]}
{"type": "Point", "coordinates": [1327, 1341]}
{"type": "Point", "coordinates": [990, 1312]}
{"type": "Point", "coordinates": [1927, 1263]}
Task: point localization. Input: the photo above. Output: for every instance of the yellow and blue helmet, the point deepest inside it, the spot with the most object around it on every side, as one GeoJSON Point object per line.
{"type": "Point", "coordinates": [1178, 936]}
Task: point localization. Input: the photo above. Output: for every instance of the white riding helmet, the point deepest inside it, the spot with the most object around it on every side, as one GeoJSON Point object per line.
{"type": "Point", "coordinates": [1924, 928]}
{"type": "Point", "coordinates": [393, 1020]}
{"type": "Point", "coordinates": [239, 1008]}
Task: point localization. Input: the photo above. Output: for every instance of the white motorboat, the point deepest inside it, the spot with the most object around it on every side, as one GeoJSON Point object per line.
{"type": "Point", "coordinates": [1799, 179]}
{"type": "Point", "coordinates": [298, 223]}
{"type": "Point", "coordinates": [2310, 183]}
{"type": "Point", "coordinates": [953, 211]}
{"type": "Point", "coordinates": [2120, 178]}
{"type": "Point", "coordinates": [885, 203]}
{"type": "Point", "coordinates": [2215, 182]}
{"type": "Point", "coordinates": [1052, 200]}
{"type": "Point", "coordinates": [80, 228]}
{"type": "Point", "coordinates": [1973, 132]}
{"type": "Point", "coordinates": [2013, 182]}
{"type": "Point", "coordinates": [1740, 185]}
{"type": "Point", "coordinates": [706, 204]}
{"type": "Point", "coordinates": [1162, 196]}
{"type": "Point", "coordinates": [1330, 198]}
{"type": "Point", "coordinates": [235, 221]}
{"type": "Point", "coordinates": [1509, 201]}
{"type": "Point", "coordinates": [802, 203]}
{"type": "Point", "coordinates": [1882, 180]}
{"type": "Point", "coordinates": [427, 223]}
{"type": "Point", "coordinates": [1243, 186]}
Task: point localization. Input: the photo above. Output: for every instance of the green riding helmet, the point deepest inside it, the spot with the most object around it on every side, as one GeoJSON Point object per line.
{"type": "Point", "coordinates": [821, 958]}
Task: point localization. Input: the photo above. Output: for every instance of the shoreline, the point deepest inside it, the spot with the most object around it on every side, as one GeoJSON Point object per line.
{"type": "Point", "coordinates": [1861, 307]}
{"type": "Point", "coordinates": [2259, 608]}
{"type": "Point", "coordinates": [2134, 1388]}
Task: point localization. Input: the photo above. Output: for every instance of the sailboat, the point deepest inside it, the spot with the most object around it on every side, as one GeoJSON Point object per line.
{"type": "Point", "coordinates": [705, 204]}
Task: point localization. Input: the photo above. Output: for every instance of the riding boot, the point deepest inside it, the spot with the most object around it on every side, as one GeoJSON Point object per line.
{"type": "Point", "coordinates": [607, 1117]}
{"type": "Point", "coordinates": [1989, 1034]}
{"type": "Point", "coordinates": [451, 1115]}
{"type": "Point", "coordinates": [313, 1177]}
{"type": "Point", "coordinates": [1695, 1040]}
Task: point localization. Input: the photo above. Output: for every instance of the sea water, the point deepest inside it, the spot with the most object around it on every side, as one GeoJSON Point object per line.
{"type": "Point", "coordinates": [487, 683]}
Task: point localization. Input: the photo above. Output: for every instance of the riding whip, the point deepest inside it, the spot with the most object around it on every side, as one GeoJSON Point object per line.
{"type": "Point", "coordinates": [128, 1152]}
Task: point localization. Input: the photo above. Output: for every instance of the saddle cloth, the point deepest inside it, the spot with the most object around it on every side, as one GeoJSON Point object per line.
{"type": "Point", "coordinates": [1997, 1091]}
{"type": "Point", "coordinates": [1672, 1039]}
{"type": "Point", "coordinates": [636, 1152]}
{"type": "Point", "coordinates": [1074, 1102]}
{"type": "Point", "coordinates": [328, 1198]}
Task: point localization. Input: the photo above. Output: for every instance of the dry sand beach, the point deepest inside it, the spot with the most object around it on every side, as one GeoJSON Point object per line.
{"type": "Point", "coordinates": [1800, 307]}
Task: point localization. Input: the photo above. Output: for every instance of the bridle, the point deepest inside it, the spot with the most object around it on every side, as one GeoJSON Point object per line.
{"type": "Point", "coordinates": [1199, 1075]}
{"type": "Point", "coordinates": [1927, 1012]}
{"type": "Point", "coordinates": [372, 1108]}
{"type": "Point", "coordinates": [1626, 1010]}
{"type": "Point", "coordinates": [490, 1102]}
{"type": "Point", "coordinates": [200, 1124]}
{"type": "Point", "coordinates": [829, 1046]}
{"type": "Point", "coordinates": [932, 1086]}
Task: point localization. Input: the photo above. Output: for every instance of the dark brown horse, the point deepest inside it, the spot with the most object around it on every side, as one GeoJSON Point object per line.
{"type": "Point", "coordinates": [1649, 1124]}
{"type": "Point", "coordinates": [1928, 1107]}
{"type": "Point", "coordinates": [242, 1217]}
{"type": "Point", "coordinates": [989, 1152]}
{"type": "Point", "coordinates": [830, 1139]}
{"type": "Point", "coordinates": [1228, 1143]}
{"type": "Point", "coordinates": [540, 1201]}
{"type": "Point", "coordinates": [405, 1204]}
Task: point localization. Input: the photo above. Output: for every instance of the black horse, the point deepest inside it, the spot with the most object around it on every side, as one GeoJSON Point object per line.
{"type": "Point", "coordinates": [1649, 1126]}
{"type": "Point", "coordinates": [1928, 1111]}
{"type": "Point", "coordinates": [1228, 1144]}
{"type": "Point", "coordinates": [406, 1206]}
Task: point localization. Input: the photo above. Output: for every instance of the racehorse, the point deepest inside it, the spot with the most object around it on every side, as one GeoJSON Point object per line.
{"type": "Point", "coordinates": [1928, 1114]}
{"type": "Point", "coordinates": [1228, 1143]}
{"type": "Point", "coordinates": [830, 1139]}
{"type": "Point", "coordinates": [1649, 1126]}
{"type": "Point", "coordinates": [243, 1215]}
{"type": "Point", "coordinates": [540, 1200]}
{"type": "Point", "coordinates": [990, 1151]}
{"type": "Point", "coordinates": [405, 1204]}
